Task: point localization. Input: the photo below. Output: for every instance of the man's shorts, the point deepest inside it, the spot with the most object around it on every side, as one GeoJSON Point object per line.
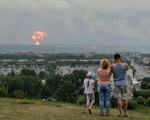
{"type": "Point", "coordinates": [120, 92]}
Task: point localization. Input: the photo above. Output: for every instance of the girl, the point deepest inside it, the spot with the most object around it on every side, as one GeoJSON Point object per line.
{"type": "Point", "coordinates": [88, 90]}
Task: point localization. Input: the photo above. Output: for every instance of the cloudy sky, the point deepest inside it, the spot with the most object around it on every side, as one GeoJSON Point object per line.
{"type": "Point", "coordinates": [110, 22]}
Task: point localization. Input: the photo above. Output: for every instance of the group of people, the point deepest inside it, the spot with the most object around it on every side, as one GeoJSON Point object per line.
{"type": "Point", "coordinates": [119, 71]}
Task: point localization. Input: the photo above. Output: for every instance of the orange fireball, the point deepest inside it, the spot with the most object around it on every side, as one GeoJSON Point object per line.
{"type": "Point", "coordinates": [38, 37]}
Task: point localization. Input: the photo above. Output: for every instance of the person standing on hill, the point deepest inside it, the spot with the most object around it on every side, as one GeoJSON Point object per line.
{"type": "Point", "coordinates": [104, 88]}
{"type": "Point", "coordinates": [88, 90]}
{"type": "Point", "coordinates": [119, 71]}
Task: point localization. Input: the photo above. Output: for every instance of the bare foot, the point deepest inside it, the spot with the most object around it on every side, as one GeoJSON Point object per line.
{"type": "Point", "coordinates": [90, 112]}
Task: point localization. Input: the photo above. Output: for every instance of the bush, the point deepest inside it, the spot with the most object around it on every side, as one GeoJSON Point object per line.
{"type": "Point", "coordinates": [148, 86]}
{"type": "Point", "coordinates": [143, 85]}
{"type": "Point", "coordinates": [132, 104]}
{"type": "Point", "coordinates": [81, 100]}
{"type": "Point", "coordinates": [113, 102]}
{"type": "Point", "coordinates": [140, 100]}
{"type": "Point", "coordinates": [19, 94]}
{"type": "Point", "coordinates": [147, 102]}
{"type": "Point", "coordinates": [67, 93]}
{"type": "Point", "coordinates": [143, 93]}
{"type": "Point", "coordinates": [3, 92]}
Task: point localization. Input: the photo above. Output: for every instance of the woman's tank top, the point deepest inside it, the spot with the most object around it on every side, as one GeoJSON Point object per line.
{"type": "Point", "coordinates": [103, 76]}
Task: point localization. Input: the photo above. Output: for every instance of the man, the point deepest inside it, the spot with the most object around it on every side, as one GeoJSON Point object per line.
{"type": "Point", "coordinates": [119, 71]}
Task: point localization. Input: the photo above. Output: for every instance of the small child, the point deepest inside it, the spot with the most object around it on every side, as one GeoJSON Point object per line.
{"type": "Point", "coordinates": [88, 90]}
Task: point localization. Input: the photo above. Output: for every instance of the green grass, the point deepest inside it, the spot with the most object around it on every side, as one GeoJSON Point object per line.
{"type": "Point", "coordinates": [16, 109]}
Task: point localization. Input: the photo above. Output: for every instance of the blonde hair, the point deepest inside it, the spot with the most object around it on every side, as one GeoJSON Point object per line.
{"type": "Point", "coordinates": [104, 64]}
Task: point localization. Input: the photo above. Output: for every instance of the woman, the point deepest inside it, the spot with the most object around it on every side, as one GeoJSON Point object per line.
{"type": "Point", "coordinates": [103, 83]}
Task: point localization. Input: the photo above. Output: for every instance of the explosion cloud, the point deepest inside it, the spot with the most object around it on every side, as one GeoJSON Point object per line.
{"type": "Point", "coordinates": [38, 37]}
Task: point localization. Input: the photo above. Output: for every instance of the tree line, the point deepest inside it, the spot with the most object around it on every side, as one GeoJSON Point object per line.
{"type": "Point", "coordinates": [29, 85]}
{"type": "Point", "coordinates": [61, 88]}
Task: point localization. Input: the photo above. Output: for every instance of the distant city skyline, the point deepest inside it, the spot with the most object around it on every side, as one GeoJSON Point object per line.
{"type": "Point", "coordinates": [73, 48]}
{"type": "Point", "coordinates": [96, 22]}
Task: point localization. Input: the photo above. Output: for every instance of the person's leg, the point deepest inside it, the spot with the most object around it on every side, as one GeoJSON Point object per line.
{"type": "Point", "coordinates": [117, 94]}
{"type": "Point", "coordinates": [125, 101]}
{"type": "Point", "coordinates": [101, 100]}
{"type": "Point", "coordinates": [92, 99]}
{"type": "Point", "coordinates": [107, 99]}
{"type": "Point", "coordinates": [125, 105]}
{"type": "Point", "coordinates": [119, 103]}
{"type": "Point", "coordinates": [87, 100]}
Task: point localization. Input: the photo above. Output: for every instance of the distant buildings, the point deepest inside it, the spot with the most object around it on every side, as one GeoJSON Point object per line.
{"type": "Point", "coordinates": [146, 60]}
{"type": "Point", "coordinates": [136, 84]}
{"type": "Point", "coordinates": [89, 54]}
{"type": "Point", "coordinates": [68, 69]}
{"type": "Point", "coordinates": [17, 69]}
{"type": "Point", "coordinates": [133, 84]}
{"type": "Point", "coordinates": [30, 54]}
{"type": "Point", "coordinates": [130, 54]}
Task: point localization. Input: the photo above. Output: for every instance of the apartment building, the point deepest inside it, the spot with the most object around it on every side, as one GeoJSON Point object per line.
{"type": "Point", "coordinates": [17, 69]}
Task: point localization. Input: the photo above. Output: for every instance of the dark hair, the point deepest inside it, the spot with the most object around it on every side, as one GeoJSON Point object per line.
{"type": "Point", "coordinates": [88, 82]}
{"type": "Point", "coordinates": [117, 56]}
{"type": "Point", "coordinates": [89, 77]}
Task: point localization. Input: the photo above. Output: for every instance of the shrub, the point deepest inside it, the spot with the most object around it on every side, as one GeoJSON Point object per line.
{"type": "Point", "coordinates": [67, 93]}
{"type": "Point", "coordinates": [113, 102]}
{"type": "Point", "coordinates": [147, 102]}
{"type": "Point", "coordinates": [132, 104]}
{"type": "Point", "coordinates": [143, 93]}
{"type": "Point", "coordinates": [143, 85]}
{"type": "Point", "coordinates": [81, 100]}
{"type": "Point", "coordinates": [148, 86]}
{"type": "Point", "coordinates": [19, 94]}
{"type": "Point", "coordinates": [3, 91]}
{"type": "Point", "coordinates": [140, 100]}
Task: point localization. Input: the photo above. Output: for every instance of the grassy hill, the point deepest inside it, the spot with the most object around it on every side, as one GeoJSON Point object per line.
{"type": "Point", "coordinates": [16, 109]}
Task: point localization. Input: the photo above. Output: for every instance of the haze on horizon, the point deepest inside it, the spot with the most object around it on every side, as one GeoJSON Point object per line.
{"type": "Point", "coordinates": [108, 22]}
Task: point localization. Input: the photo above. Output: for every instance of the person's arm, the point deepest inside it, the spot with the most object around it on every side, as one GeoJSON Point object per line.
{"type": "Point", "coordinates": [110, 73]}
{"type": "Point", "coordinates": [97, 71]}
{"type": "Point", "coordinates": [93, 84]}
{"type": "Point", "coordinates": [126, 66]}
{"type": "Point", "coordinates": [83, 85]}
{"type": "Point", "coordinates": [111, 68]}
{"type": "Point", "coordinates": [97, 75]}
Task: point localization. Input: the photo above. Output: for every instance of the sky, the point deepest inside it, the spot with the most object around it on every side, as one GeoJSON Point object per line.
{"type": "Point", "coordinates": [108, 22]}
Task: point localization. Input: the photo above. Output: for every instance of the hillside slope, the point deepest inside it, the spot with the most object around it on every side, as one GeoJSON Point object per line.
{"type": "Point", "coordinates": [15, 109]}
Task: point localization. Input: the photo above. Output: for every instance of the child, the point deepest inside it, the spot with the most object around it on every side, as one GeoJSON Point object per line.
{"type": "Point", "coordinates": [88, 90]}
